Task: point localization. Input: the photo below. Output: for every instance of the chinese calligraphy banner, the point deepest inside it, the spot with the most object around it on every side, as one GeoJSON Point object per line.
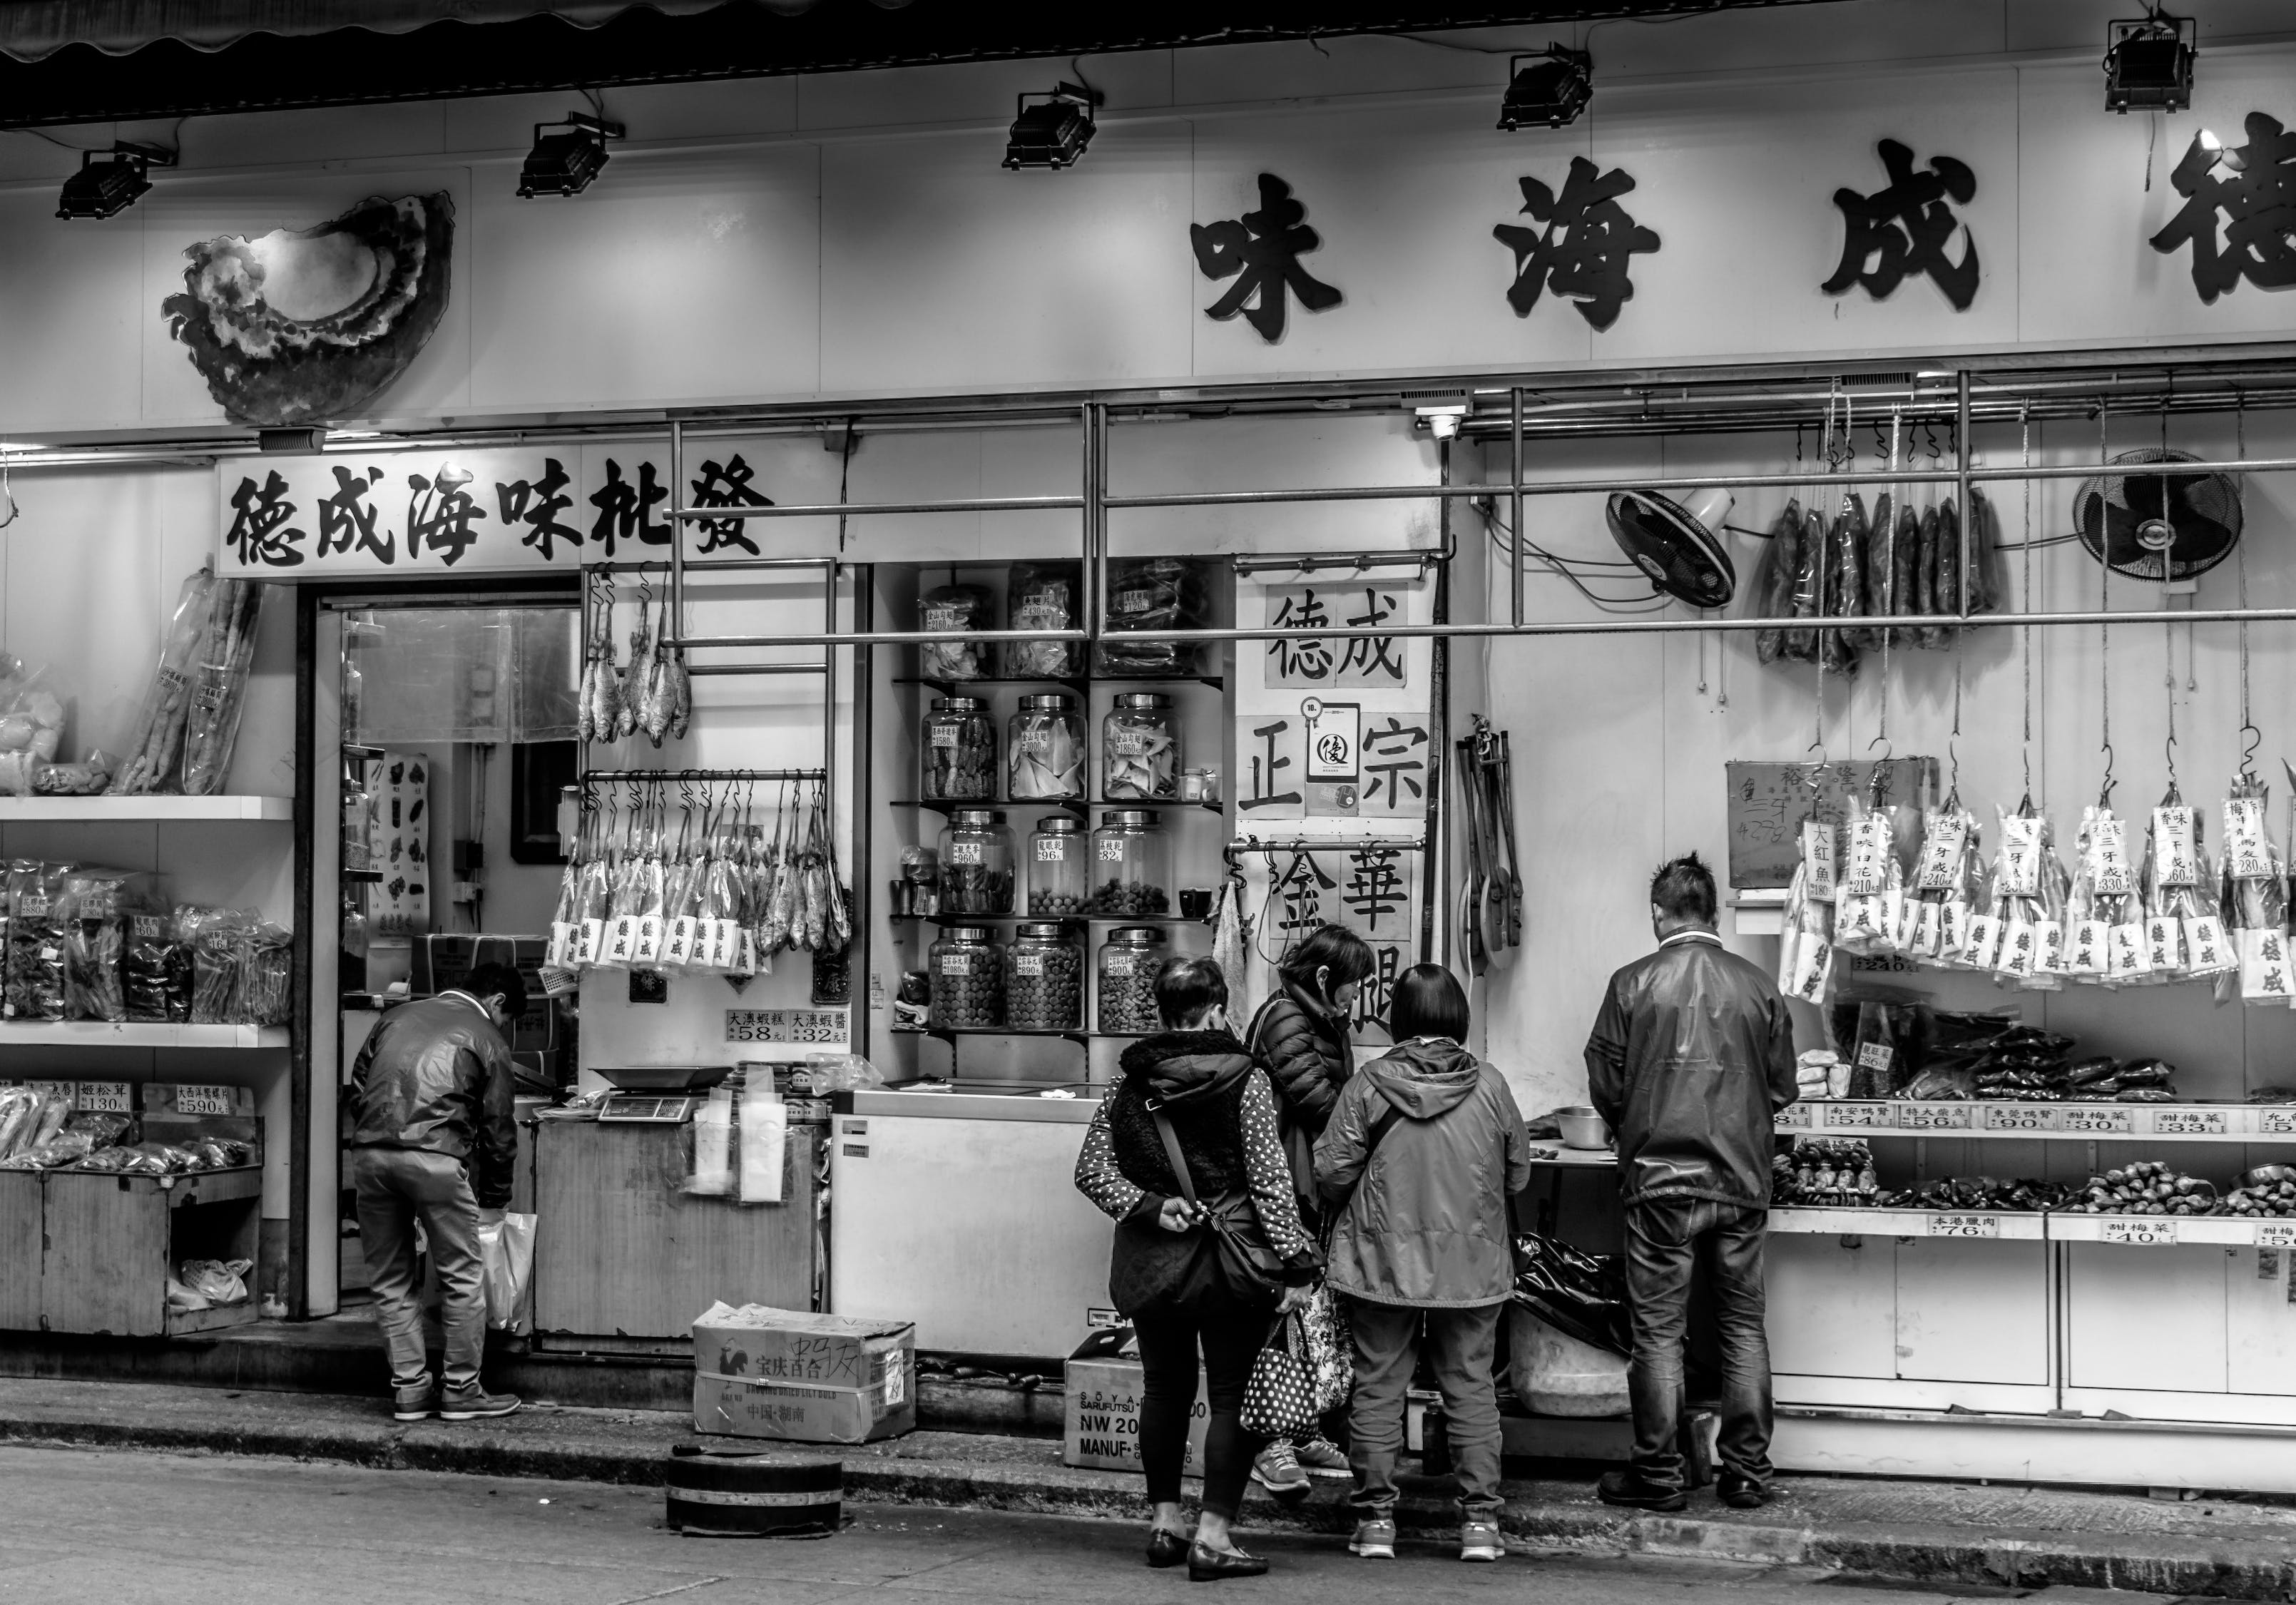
{"type": "Point", "coordinates": [436, 511]}
{"type": "Point", "coordinates": [1373, 891]}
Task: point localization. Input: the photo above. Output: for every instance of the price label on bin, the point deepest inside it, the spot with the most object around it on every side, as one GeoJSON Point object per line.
{"type": "Point", "coordinates": [1934, 1117]}
{"type": "Point", "coordinates": [785, 1025]}
{"type": "Point", "coordinates": [1794, 1117]}
{"type": "Point", "coordinates": [2276, 1122]}
{"type": "Point", "coordinates": [2189, 1122]}
{"type": "Point", "coordinates": [2275, 1234]}
{"type": "Point", "coordinates": [2019, 1117]}
{"type": "Point", "coordinates": [103, 1098]}
{"type": "Point", "coordinates": [202, 1099]}
{"type": "Point", "coordinates": [1964, 1226]}
{"type": "Point", "coordinates": [2141, 1233]}
{"type": "Point", "coordinates": [1857, 1117]}
{"type": "Point", "coordinates": [2115, 1121]}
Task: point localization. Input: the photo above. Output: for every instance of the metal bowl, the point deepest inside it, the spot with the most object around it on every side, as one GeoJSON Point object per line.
{"type": "Point", "coordinates": [1582, 1127]}
{"type": "Point", "coordinates": [2268, 1176]}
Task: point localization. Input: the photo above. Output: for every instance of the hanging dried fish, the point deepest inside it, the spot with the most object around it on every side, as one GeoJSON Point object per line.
{"type": "Point", "coordinates": [1781, 562]}
{"type": "Point", "coordinates": [608, 707]}
{"type": "Point", "coordinates": [681, 706]}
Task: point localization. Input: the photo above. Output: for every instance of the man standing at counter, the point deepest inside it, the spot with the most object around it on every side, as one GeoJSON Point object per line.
{"type": "Point", "coordinates": [1691, 1058]}
{"type": "Point", "coordinates": [435, 1141]}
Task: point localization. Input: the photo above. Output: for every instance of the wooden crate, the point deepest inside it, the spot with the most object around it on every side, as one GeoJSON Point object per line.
{"type": "Point", "coordinates": [112, 1240]}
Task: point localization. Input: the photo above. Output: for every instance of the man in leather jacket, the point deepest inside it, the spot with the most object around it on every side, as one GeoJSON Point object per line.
{"type": "Point", "coordinates": [435, 1141]}
{"type": "Point", "coordinates": [1690, 1060]}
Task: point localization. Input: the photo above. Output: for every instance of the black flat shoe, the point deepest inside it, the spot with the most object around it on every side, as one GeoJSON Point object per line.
{"type": "Point", "coordinates": [1625, 1489]}
{"type": "Point", "coordinates": [1165, 1550]}
{"type": "Point", "coordinates": [1744, 1493]}
{"type": "Point", "coordinates": [1214, 1566]}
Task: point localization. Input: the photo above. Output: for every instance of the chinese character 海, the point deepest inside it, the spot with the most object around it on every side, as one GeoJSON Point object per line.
{"type": "Point", "coordinates": [626, 511]}
{"type": "Point", "coordinates": [537, 505]}
{"type": "Point", "coordinates": [439, 513]}
{"type": "Point", "coordinates": [1261, 251]}
{"type": "Point", "coordinates": [346, 521]}
{"type": "Point", "coordinates": [1904, 228]}
{"type": "Point", "coordinates": [1583, 255]}
{"type": "Point", "coordinates": [1389, 766]}
{"type": "Point", "coordinates": [259, 532]}
{"type": "Point", "coordinates": [2254, 186]}
{"type": "Point", "coordinates": [1301, 657]}
{"type": "Point", "coordinates": [726, 485]}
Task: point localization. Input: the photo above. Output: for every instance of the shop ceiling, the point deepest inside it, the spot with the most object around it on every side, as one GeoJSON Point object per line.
{"type": "Point", "coordinates": [65, 61]}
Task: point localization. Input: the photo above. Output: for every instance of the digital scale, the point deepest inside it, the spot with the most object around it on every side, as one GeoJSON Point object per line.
{"type": "Point", "coordinates": [657, 1095]}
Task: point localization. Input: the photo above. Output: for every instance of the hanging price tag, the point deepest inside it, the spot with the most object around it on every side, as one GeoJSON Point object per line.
{"type": "Point", "coordinates": [2108, 857]}
{"type": "Point", "coordinates": [1869, 843]}
{"type": "Point", "coordinates": [2176, 860]}
{"type": "Point", "coordinates": [1941, 851]}
{"type": "Point", "coordinates": [1818, 846]}
{"type": "Point", "coordinates": [2245, 855]}
{"type": "Point", "coordinates": [2021, 856]}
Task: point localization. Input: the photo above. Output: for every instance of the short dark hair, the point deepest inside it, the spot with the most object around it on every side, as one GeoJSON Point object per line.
{"type": "Point", "coordinates": [1185, 988]}
{"type": "Point", "coordinates": [1428, 1000]}
{"type": "Point", "coordinates": [1346, 955]}
{"type": "Point", "coordinates": [487, 980]}
{"type": "Point", "coordinates": [1684, 889]}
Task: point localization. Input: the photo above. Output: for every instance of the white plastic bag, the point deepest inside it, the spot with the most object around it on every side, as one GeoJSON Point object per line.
{"type": "Point", "coordinates": [764, 1140]}
{"type": "Point", "coordinates": [507, 1270]}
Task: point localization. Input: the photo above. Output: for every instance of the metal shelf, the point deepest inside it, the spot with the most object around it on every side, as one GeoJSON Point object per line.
{"type": "Point", "coordinates": [1044, 918]}
{"type": "Point", "coordinates": [96, 810]}
{"type": "Point", "coordinates": [950, 1033]}
{"type": "Point", "coordinates": [2067, 1122]}
{"type": "Point", "coordinates": [2015, 1225]}
{"type": "Point", "coordinates": [106, 1034]}
{"type": "Point", "coordinates": [1082, 684]}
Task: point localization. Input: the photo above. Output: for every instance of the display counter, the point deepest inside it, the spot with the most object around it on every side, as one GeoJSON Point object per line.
{"type": "Point", "coordinates": [958, 1210]}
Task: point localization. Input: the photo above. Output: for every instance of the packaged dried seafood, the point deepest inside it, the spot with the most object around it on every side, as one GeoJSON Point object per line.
{"type": "Point", "coordinates": [2254, 901]}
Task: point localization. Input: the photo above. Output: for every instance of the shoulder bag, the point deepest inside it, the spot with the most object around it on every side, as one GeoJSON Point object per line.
{"type": "Point", "coordinates": [1233, 1264]}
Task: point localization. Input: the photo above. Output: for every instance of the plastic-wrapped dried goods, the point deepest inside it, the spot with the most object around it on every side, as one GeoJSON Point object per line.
{"type": "Point", "coordinates": [1876, 571]}
{"type": "Point", "coordinates": [2104, 914]}
{"type": "Point", "coordinates": [92, 908]}
{"type": "Point", "coordinates": [1926, 577]}
{"type": "Point", "coordinates": [1871, 895]}
{"type": "Point", "coordinates": [2254, 900]}
{"type": "Point", "coordinates": [1806, 948]}
{"type": "Point", "coordinates": [1985, 581]}
{"type": "Point", "coordinates": [64, 1148]}
{"type": "Point", "coordinates": [1773, 594]}
{"type": "Point", "coordinates": [35, 986]}
{"type": "Point", "coordinates": [20, 1117]}
{"type": "Point", "coordinates": [219, 938]}
{"type": "Point", "coordinates": [955, 607]}
{"type": "Point", "coordinates": [152, 757]}
{"type": "Point", "coordinates": [1044, 596]}
{"type": "Point", "coordinates": [262, 994]}
{"type": "Point", "coordinates": [1844, 587]}
{"type": "Point", "coordinates": [1948, 558]}
{"type": "Point", "coordinates": [2184, 925]}
{"type": "Point", "coordinates": [1808, 587]}
{"type": "Point", "coordinates": [1905, 554]}
{"type": "Point", "coordinates": [226, 655]}
{"type": "Point", "coordinates": [1942, 878]}
{"type": "Point", "coordinates": [1153, 593]}
{"type": "Point", "coordinates": [2029, 901]}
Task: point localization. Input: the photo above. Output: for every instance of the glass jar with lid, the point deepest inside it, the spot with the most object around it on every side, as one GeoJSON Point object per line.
{"type": "Point", "coordinates": [1060, 866]}
{"type": "Point", "coordinates": [1128, 963]}
{"type": "Point", "coordinates": [1131, 864]}
{"type": "Point", "coordinates": [1140, 747]}
{"type": "Point", "coordinates": [1043, 743]}
{"type": "Point", "coordinates": [976, 864]}
{"type": "Point", "coordinates": [1044, 979]}
{"type": "Point", "coordinates": [968, 980]}
{"type": "Point", "coordinates": [960, 750]}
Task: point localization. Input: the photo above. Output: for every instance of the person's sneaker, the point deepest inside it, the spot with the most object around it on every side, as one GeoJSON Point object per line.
{"type": "Point", "coordinates": [1374, 1539]}
{"type": "Point", "coordinates": [1321, 1457]}
{"type": "Point", "coordinates": [1480, 1540]}
{"type": "Point", "coordinates": [475, 1403]}
{"type": "Point", "coordinates": [418, 1404]}
{"type": "Point", "coordinates": [1277, 1469]}
{"type": "Point", "coordinates": [1741, 1492]}
{"type": "Point", "coordinates": [1628, 1489]}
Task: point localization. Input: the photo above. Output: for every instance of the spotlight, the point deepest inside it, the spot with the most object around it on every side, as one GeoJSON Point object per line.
{"type": "Point", "coordinates": [109, 181]}
{"type": "Point", "coordinates": [1055, 132]}
{"type": "Point", "coordinates": [2148, 64]}
{"type": "Point", "coordinates": [1554, 92]}
{"type": "Point", "coordinates": [563, 164]}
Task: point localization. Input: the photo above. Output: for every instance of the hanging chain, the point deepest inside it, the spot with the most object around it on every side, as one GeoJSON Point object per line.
{"type": "Point", "coordinates": [2025, 541]}
{"type": "Point", "coordinates": [1895, 494]}
{"type": "Point", "coordinates": [2105, 629]}
{"type": "Point", "coordinates": [2250, 735]}
{"type": "Point", "coordinates": [2167, 628]}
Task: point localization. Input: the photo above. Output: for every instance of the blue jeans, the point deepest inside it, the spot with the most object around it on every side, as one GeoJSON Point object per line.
{"type": "Point", "coordinates": [1666, 1240]}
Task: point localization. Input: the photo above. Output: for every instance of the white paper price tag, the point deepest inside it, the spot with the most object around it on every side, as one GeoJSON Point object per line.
{"type": "Point", "coordinates": [207, 1101]}
{"type": "Point", "coordinates": [1934, 1117]}
{"type": "Point", "coordinates": [1964, 1226]}
{"type": "Point", "coordinates": [2097, 1122]}
{"type": "Point", "coordinates": [1817, 857]}
{"type": "Point", "coordinates": [1857, 1117]}
{"type": "Point", "coordinates": [2275, 1234]}
{"type": "Point", "coordinates": [1941, 852]}
{"type": "Point", "coordinates": [2141, 1233]}
{"type": "Point", "coordinates": [1794, 1117]}
{"type": "Point", "coordinates": [103, 1098]}
{"type": "Point", "coordinates": [2108, 857]}
{"type": "Point", "coordinates": [2020, 1116]}
{"type": "Point", "coordinates": [2188, 1123]}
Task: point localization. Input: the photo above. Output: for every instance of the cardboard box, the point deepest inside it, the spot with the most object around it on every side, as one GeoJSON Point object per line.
{"type": "Point", "coordinates": [1101, 1427]}
{"type": "Point", "coordinates": [803, 1378]}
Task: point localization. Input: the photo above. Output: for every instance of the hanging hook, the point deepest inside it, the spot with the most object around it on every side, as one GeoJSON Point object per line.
{"type": "Point", "coordinates": [2252, 738]}
{"type": "Point", "coordinates": [7, 493]}
{"type": "Point", "coordinates": [2104, 792]}
{"type": "Point", "coordinates": [2168, 752]}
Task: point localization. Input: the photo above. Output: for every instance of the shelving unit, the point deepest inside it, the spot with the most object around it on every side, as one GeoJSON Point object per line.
{"type": "Point", "coordinates": [1073, 805]}
{"type": "Point", "coordinates": [156, 809]}
{"type": "Point", "coordinates": [106, 1034]}
{"type": "Point", "coordinates": [2061, 1122]}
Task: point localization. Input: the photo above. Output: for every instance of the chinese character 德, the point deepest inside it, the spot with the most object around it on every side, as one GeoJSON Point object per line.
{"type": "Point", "coordinates": [537, 505]}
{"type": "Point", "coordinates": [626, 511]}
{"type": "Point", "coordinates": [1584, 254]}
{"type": "Point", "coordinates": [726, 486]}
{"type": "Point", "coordinates": [1904, 229]}
{"type": "Point", "coordinates": [2257, 195]}
{"type": "Point", "coordinates": [259, 532]}
{"type": "Point", "coordinates": [439, 513]}
{"type": "Point", "coordinates": [1261, 252]}
{"type": "Point", "coordinates": [1301, 657]}
{"type": "Point", "coordinates": [346, 521]}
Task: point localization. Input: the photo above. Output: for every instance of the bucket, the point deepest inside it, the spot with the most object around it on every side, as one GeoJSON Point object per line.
{"type": "Point", "coordinates": [734, 1493]}
{"type": "Point", "coordinates": [1555, 1374]}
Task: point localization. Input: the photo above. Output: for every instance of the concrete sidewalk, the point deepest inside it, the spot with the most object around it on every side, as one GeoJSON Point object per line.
{"type": "Point", "coordinates": [1932, 1532]}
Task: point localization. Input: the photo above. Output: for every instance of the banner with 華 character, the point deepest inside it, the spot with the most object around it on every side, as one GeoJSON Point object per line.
{"type": "Point", "coordinates": [1372, 891]}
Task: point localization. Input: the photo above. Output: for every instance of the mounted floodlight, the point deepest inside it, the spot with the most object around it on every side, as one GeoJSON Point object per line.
{"type": "Point", "coordinates": [563, 164]}
{"type": "Point", "coordinates": [108, 182]}
{"type": "Point", "coordinates": [1055, 132]}
{"type": "Point", "coordinates": [2148, 64]}
{"type": "Point", "coordinates": [1676, 548]}
{"type": "Point", "coordinates": [1554, 92]}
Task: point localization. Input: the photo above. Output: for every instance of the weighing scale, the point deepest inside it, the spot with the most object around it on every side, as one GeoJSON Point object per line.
{"type": "Point", "coordinates": [657, 1095]}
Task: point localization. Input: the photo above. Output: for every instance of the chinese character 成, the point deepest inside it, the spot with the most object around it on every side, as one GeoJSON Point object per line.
{"type": "Point", "coordinates": [2253, 186]}
{"type": "Point", "coordinates": [1583, 255]}
{"type": "Point", "coordinates": [1261, 252]}
{"type": "Point", "coordinates": [1904, 228]}
{"type": "Point", "coordinates": [346, 521]}
{"type": "Point", "coordinates": [259, 532]}
{"type": "Point", "coordinates": [537, 505]}
{"type": "Point", "coordinates": [1371, 659]}
{"type": "Point", "coordinates": [726, 485]}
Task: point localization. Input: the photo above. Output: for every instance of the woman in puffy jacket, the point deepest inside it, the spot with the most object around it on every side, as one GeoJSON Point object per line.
{"type": "Point", "coordinates": [1422, 1153]}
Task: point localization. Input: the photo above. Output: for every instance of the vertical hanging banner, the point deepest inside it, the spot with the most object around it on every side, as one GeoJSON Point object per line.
{"type": "Point", "coordinates": [1374, 892]}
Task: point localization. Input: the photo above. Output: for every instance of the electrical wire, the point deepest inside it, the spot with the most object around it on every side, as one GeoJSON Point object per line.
{"type": "Point", "coordinates": [1608, 605]}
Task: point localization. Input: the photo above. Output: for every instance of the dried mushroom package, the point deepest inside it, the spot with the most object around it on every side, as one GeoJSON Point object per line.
{"type": "Point", "coordinates": [2255, 901]}
{"type": "Point", "coordinates": [2184, 925]}
{"type": "Point", "coordinates": [1944, 882]}
{"type": "Point", "coordinates": [955, 607]}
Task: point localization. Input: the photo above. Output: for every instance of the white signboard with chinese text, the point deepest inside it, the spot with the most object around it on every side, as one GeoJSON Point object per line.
{"type": "Point", "coordinates": [1373, 891]}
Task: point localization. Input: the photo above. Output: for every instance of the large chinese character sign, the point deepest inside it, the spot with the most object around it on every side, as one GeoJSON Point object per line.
{"type": "Point", "coordinates": [1904, 229]}
{"type": "Point", "coordinates": [309, 325]}
{"type": "Point", "coordinates": [1582, 251]}
{"type": "Point", "coordinates": [2239, 215]}
{"type": "Point", "coordinates": [1260, 251]}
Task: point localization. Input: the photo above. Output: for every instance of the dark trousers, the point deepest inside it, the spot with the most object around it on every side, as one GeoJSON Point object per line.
{"type": "Point", "coordinates": [1168, 1341]}
{"type": "Point", "coordinates": [1460, 1345]}
{"type": "Point", "coordinates": [1667, 1240]}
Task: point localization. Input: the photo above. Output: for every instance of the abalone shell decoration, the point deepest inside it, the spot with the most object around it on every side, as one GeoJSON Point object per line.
{"type": "Point", "coordinates": [309, 325]}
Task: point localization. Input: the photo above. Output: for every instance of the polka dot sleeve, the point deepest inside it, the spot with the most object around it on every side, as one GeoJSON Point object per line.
{"type": "Point", "coordinates": [1268, 1172]}
{"type": "Point", "coordinates": [1097, 1174]}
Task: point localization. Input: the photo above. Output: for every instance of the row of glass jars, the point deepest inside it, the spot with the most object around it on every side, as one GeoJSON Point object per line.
{"type": "Point", "coordinates": [1123, 869]}
{"type": "Point", "coordinates": [1035, 982]}
{"type": "Point", "coordinates": [1044, 749]}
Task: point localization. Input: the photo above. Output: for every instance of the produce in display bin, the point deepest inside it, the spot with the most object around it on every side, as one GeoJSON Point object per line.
{"type": "Point", "coordinates": [2183, 929]}
{"type": "Point", "coordinates": [2268, 1191]}
{"type": "Point", "coordinates": [1826, 1173]}
{"type": "Point", "coordinates": [2254, 899]}
{"type": "Point", "coordinates": [2147, 1187]}
{"type": "Point", "coordinates": [2024, 1197]}
{"type": "Point", "coordinates": [1153, 593]}
{"type": "Point", "coordinates": [219, 690]}
{"type": "Point", "coordinates": [155, 754]}
{"type": "Point", "coordinates": [1044, 596]}
{"type": "Point", "coordinates": [2104, 920]}
{"type": "Point", "coordinates": [35, 979]}
{"type": "Point", "coordinates": [955, 607]}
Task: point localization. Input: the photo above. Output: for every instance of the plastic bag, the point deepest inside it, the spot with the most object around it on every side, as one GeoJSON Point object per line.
{"type": "Point", "coordinates": [61, 1150]}
{"type": "Point", "coordinates": [155, 970]}
{"type": "Point", "coordinates": [1773, 594]}
{"type": "Point", "coordinates": [154, 754]}
{"type": "Point", "coordinates": [219, 690]}
{"type": "Point", "coordinates": [20, 1115]}
{"type": "Point", "coordinates": [200, 1284]}
{"type": "Point", "coordinates": [219, 938]}
{"type": "Point", "coordinates": [92, 911]}
{"type": "Point", "coordinates": [1044, 596]}
{"type": "Point", "coordinates": [261, 992]}
{"type": "Point", "coordinates": [35, 978]}
{"type": "Point", "coordinates": [506, 1269]}
{"type": "Point", "coordinates": [1581, 1295]}
{"type": "Point", "coordinates": [1153, 593]}
{"type": "Point", "coordinates": [1882, 1037]}
{"type": "Point", "coordinates": [31, 719]}
{"type": "Point", "coordinates": [955, 607]}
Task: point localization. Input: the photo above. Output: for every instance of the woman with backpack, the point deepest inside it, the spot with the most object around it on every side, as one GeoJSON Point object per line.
{"type": "Point", "coordinates": [1301, 1037]}
{"type": "Point", "coordinates": [1423, 1149]}
{"type": "Point", "coordinates": [1184, 1155]}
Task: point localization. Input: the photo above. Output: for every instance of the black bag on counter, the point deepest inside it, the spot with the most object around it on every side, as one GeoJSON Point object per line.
{"type": "Point", "coordinates": [1583, 1296]}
